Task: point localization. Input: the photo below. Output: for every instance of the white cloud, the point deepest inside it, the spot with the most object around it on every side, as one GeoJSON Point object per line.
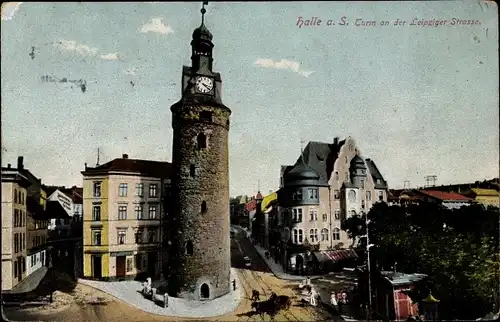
{"type": "Point", "coordinates": [73, 46]}
{"type": "Point", "coordinates": [157, 25]}
{"type": "Point", "coordinates": [9, 9]}
{"type": "Point", "coordinates": [110, 56]}
{"type": "Point", "coordinates": [283, 64]}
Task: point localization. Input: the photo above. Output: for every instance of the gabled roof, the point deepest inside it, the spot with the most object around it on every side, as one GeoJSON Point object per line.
{"type": "Point", "coordinates": [445, 196]}
{"type": "Point", "coordinates": [158, 169]}
{"type": "Point", "coordinates": [376, 175]}
{"type": "Point", "coordinates": [321, 158]}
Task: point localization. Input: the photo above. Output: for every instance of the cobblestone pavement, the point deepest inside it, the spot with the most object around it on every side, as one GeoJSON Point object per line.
{"type": "Point", "coordinates": [88, 304]}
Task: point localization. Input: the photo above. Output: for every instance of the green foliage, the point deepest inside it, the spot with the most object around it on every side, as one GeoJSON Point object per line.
{"type": "Point", "coordinates": [458, 249]}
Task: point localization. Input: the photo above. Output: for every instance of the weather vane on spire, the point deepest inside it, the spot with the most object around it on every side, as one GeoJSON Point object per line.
{"type": "Point", "coordinates": [203, 11]}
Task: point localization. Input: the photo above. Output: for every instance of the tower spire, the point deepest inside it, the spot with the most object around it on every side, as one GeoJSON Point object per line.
{"type": "Point", "coordinates": [203, 11]}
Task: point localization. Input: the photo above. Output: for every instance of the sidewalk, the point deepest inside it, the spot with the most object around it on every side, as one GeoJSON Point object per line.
{"type": "Point", "coordinates": [130, 292]}
{"type": "Point", "coordinates": [30, 282]}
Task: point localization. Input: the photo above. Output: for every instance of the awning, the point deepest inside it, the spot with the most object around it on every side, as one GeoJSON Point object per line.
{"type": "Point", "coordinates": [268, 200]}
{"type": "Point", "coordinates": [335, 255]}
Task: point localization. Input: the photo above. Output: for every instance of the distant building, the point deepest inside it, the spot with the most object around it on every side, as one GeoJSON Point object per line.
{"type": "Point", "coordinates": [124, 204]}
{"type": "Point", "coordinates": [237, 211]}
{"type": "Point", "coordinates": [483, 192]}
{"type": "Point", "coordinates": [68, 223]}
{"type": "Point", "coordinates": [450, 200]}
{"type": "Point", "coordinates": [14, 217]}
{"type": "Point", "coordinates": [329, 183]}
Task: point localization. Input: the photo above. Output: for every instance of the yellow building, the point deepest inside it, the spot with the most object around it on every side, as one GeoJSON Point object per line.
{"type": "Point", "coordinates": [123, 208]}
{"type": "Point", "coordinates": [486, 197]}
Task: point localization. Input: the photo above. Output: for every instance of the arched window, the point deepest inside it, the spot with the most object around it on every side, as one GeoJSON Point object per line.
{"type": "Point", "coordinates": [189, 248]}
{"type": "Point", "coordinates": [301, 236]}
{"type": "Point", "coordinates": [313, 235]}
{"type": "Point", "coordinates": [202, 141]}
{"type": "Point", "coordinates": [353, 213]}
{"type": "Point", "coordinates": [336, 234]}
{"type": "Point", "coordinates": [324, 234]}
{"type": "Point", "coordinates": [295, 236]}
{"type": "Point", "coordinates": [352, 195]}
{"type": "Point", "coordinates": [192, 170]}
{"type": "Point", "coordinates": [204, 207]}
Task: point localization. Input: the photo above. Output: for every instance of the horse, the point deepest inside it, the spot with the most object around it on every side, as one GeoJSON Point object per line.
{"type": "Point", "coordinates": [255, 296]}
{"type": "Point", "coordinates": [264, 307]}
{"type": "Point", "coordinates": [281, 301]}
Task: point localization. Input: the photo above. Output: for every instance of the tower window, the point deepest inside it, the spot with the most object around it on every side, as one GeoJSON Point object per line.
{"type": "Point", "coordinates": [202, 141]}
{"type": "Point", "coordinates": [192, 170]}
{"type": "Point", "coordinates": [189, 248]}
{"type": "Point", "coordinates": [204, 207]}
{"type": "Point", "coordinates": [206, 116]}
{"type": "Point", "coordinates": [227, 123]}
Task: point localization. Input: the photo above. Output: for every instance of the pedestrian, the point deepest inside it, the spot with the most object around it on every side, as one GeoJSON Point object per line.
{"type": "Point", "coordinates": [165, 300]}
{"type": "Point", "coordinates": [234, 284]}
{"type": "Point", "coordinates": [344, 297]}
{"type": "Point", "coordinates": [333, 300]}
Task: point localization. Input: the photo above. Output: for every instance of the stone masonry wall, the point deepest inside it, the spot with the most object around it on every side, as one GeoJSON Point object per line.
{"type": "Point", "coordinates": [208, 230]}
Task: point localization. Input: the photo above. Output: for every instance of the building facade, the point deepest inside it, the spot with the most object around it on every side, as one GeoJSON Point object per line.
{"type": "Point", "coordinates": [30, 239]}
{"type": "Point", "coordinates": [198, 253]}
{"type": "Point", "coordinates": [14, 218]}
{"type": "Point", "coordinates": [124, 204]}
{"type": "Point", "coordinates": [328, 184]}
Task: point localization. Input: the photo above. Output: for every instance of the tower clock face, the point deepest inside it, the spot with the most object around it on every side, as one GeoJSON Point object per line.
{"type": "Point", "coordinates": [204, 84]}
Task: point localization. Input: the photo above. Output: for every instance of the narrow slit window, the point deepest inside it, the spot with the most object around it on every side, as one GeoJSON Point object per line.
{"type": "Point", "coordinates": [189, 248]}
{"type": "Point", "coordinates": [206, 116]}
{"type": "Point", "coordinates": [192, 170]}
{"type": "Point", "coordinates": [204, 207]}
{"type": "Point", "coordinates": [202, 141]}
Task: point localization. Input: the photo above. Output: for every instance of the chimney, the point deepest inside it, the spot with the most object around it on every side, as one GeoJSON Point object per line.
{"type": "Point", "coordinates": [8, 166]}
{"type": "Point", "coordinates": [125, 156]}
{"type": "Point", "coordinates": [20, 164]}
{"type": "Point", "coordinates": [336, 140]}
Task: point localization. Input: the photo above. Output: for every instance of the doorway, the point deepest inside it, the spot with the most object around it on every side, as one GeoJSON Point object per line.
{"type": "Point", "coordinates": [151, 264]}
{"type": "Point", "coordinates": [120, 266]}
{"type": "Point", "coordinates": [299, 263]}
{"type": "Point", "coordinates": [96, 266]}
{"type": "Point", "coordinates": [204, 291]}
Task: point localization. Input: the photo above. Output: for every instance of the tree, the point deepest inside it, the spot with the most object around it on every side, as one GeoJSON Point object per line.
{"type": "Point", "coordinates": [457, 249]}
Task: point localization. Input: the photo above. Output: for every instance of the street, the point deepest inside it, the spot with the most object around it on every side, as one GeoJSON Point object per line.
{"type": "Point", "coordinates": [257, 277]}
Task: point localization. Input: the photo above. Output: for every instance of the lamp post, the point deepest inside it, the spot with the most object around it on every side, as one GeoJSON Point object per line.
{"type": "Point", "coordinates": [368, 246]}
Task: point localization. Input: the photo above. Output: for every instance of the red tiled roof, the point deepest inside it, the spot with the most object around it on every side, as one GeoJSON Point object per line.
{"type": "Point", "coordinates": [445, 196]}
{"type": "Point", "coordinates": [143, 167]}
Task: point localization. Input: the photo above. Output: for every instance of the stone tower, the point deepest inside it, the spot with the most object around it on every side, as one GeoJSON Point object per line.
{"type": "Point", "coordinates": [197, 240]}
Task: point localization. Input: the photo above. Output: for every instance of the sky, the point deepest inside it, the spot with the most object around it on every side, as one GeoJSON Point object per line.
{"type": "Point", "coordinates": [418, 100]}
